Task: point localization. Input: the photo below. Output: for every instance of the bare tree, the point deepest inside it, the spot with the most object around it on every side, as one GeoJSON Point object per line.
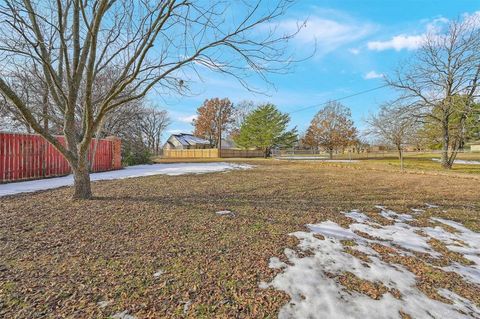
{"type": "Point", "coordinates": [10, 121]}
{"type": "Point", "coordinates": [125, 122]}
{"type": "Point", "coordinates": [34, 92]}
{"type": "Point", "coordinates": [360, 144]}
{"type": "Point", "coordinates": [441, 81]}
{"type": "Point", "coordinates": [240, 113]}
{"type": "Point", "coordinates": [137, 45]}
{"type": "Point", "coordinates": [393, 126]}
{"type": "Point", "coordinates": [153, 123]}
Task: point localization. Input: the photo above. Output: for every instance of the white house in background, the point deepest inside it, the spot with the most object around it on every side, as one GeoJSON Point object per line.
{"type": "Point", "coordinates": [185, 141]}
{"type": "Point", "coordinates": [475, 147]}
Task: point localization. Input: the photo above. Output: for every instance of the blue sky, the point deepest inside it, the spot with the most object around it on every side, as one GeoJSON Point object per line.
{"type": "Point", "coordinates": [357, 41]}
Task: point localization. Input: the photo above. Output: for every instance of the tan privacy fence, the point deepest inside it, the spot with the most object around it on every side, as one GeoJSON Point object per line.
{"type": "Point", "coordinates": [200, 153]}
{"type": "Point", "coordinates": [211, 153]}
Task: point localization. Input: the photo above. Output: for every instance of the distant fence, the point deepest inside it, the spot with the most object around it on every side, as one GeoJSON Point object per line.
{"type": "Point", "coordinates": [30, 156]}
{"type": "Point", "coordinates": [359, 155]}
{"type": "Point", "coordinates": [211, 153]}
{"type": "Point", "coordinates": [226, 153]}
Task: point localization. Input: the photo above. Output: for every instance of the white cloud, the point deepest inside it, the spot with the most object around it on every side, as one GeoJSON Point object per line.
{"type": "Point", "coordinates": [433, 27]}
{"type": "Point", "coordinates": [186, 118]}
{"type": "Point", "coordinates": [373, 75]}
{"type": "Point", "coordinates": [398, 42]}
{"type": "Point", "coordinates": [354, 51]}
{"type": "Point", "coordinates": [329, 29]}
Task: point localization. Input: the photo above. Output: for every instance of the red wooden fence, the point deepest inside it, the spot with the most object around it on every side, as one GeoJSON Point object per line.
{"type": "Point", "coordinates": [29, 156]}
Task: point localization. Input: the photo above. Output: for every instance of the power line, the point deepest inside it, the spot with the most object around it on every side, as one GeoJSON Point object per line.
{"type": "Point", "coordinates": [341, 98]}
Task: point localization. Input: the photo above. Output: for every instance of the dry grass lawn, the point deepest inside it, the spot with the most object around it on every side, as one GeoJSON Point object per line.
{"type": "Point", "coordinates": [60, 258]}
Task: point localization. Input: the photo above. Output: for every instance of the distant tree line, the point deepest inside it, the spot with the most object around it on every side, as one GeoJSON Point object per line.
{"type": "Point", "coordinates": [264, 127]}
{"type": "Point", "coordinates": [250, 126]}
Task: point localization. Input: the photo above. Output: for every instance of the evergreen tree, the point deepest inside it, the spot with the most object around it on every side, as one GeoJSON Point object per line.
{"type": "Point", "coordinates": [265, 128]}
{"type": "Point", "coordinates": [463, 127]}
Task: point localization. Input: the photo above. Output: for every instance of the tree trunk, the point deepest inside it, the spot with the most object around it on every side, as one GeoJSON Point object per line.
{"type": "Point", "coordinates": [266, 152]}
{"type": "Point", "coordinates": [445, 147]}
{"type": "Point", "coordinates": [330, 152]}
{"type": "Point", "coordinates": [81, 176]}
{"type": "Point", "coordinates": [219, 138]}
{"type": "Point", "coordinates": [401, 158]}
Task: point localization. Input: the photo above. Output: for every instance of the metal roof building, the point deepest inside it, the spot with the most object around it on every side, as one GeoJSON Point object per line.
{"type": "Point", "coordinates": [185, 141]}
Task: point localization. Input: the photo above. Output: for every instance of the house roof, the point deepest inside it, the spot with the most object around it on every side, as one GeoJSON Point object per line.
{"type": "Point", "coordinates": [189, 139]}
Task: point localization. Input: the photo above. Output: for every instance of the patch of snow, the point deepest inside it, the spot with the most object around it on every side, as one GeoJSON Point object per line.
{"type": "Point", "coordinates": [400, 234]}
{"type": "Point", "coordinates": [469, 273]}
{"type": "Point", "coordinates": [465, 242]}
{"type": "Point", "coordinates": [439, 233]}
{"type": "Point", "coordinates": [391, 215]}
{"type": "Point", "coordinates": [464, 162]}
{"type": "Point", "coordinates": [331, 229]}
{"type": "Point", "coordinates": [431, 205]}
{"type": "Point", "coordinates": [315, 293]}
{"type": "Point", "coordinates": [459, 301]}
{"type": "Point", "coordinates": [225, 213]}
{"type": "Point", "coordinates": [276, 263]}
{"type": "Point", "coordinates": [158, 273]}
{"type": "Point", "coordinates": [357, 216]}
{"type": "Point", "coordinates": [123, 315]}
{"type": "Point", "coordinates": [388, 214]}
{"type": "Point", "coordinates": [128, 172]}
{"type": "Point", "coordinates": [452, 224]}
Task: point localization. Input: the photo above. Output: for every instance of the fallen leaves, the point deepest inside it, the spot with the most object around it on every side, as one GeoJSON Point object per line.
{"type": "Point", "coordinates": [60, 258]}
{"type": "Point", "coordinates": [374, 290]}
